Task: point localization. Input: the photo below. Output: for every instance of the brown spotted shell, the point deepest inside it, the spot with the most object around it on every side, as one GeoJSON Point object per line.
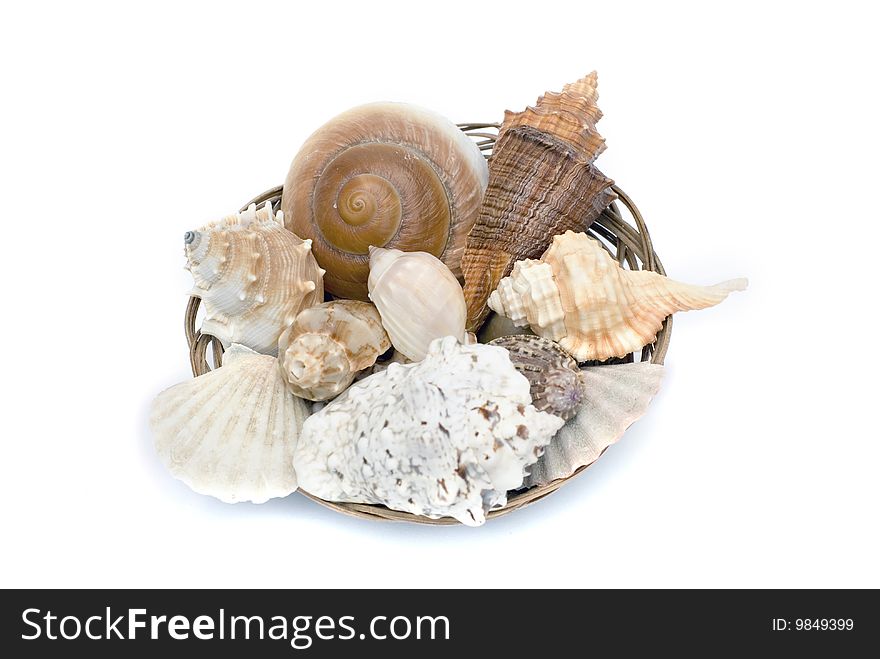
{"type": "Point", "coordinates": [555, 382]}
{"type": "Point", "coordinates": [542, 182]}
{"type": "Point", "coordinates": [383, 175]}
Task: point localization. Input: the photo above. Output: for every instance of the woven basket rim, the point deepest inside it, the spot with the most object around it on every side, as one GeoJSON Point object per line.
{"type": "Point", "coordinates": [634, 248]}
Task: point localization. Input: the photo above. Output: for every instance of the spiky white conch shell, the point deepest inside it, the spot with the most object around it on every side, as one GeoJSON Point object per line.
{"type": "Point", "coordinates": [615, 396]}
{"type": "Point", "coordinates": [418, 298]}
{"type": "Point", "coordinates": [253, 277]}
{"type": "Point", "coordinates": [447, 436]}
{"type": "Point", "coordinates": [231, 433]}
{"type": "Point", "coordinates": [579, 296]}
{"type": "Point", "coordinates": [328, 345]}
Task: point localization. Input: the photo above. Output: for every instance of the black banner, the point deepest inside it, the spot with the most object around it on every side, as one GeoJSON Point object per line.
{"type": "Point", "coordinates": [289, 623]}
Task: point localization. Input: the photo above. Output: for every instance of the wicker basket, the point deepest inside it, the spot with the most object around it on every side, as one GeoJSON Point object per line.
{"type": "Point", "coordinates": [628, 241]}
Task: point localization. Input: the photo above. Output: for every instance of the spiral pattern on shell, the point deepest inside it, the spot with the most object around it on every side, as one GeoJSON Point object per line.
{"type": "Point", "coordinates": [384, 175]}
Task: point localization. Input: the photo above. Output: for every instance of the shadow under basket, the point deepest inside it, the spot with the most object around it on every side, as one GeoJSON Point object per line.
{"type": "Point", "coordinates": [625, 237]}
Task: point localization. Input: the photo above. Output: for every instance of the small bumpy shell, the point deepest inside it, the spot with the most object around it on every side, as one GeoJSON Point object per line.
{"type": "Point", "coordinates": [579, 296]}
{"type": "Point", "coordinates": [253, 276]}
{"type": "Point", "coordinates": [327, 345]}
{"type": "Point", "coordinates": [615, 397]}
{"type": "Point", "coordinates": [542, 181]}
{"type": "Point", "coordinates": [418, 298]}
{"type": "Point", "coordinates": [231, 433]}
{"type": "Point", "coordinates": [553, 374]}
{"type": "Point", "coordinates": [447, 436]}
{"type": "Point", "coordinates": [388, 175]}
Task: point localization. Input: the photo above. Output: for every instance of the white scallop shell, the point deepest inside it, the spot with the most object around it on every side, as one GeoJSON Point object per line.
{"type": "Point", "coordinates": [418, 298]}
{"type": "Point", "coordinates": [615, 396]}
{"type": "Point", "coordinates": [231, 433]}
{"type": "Point", "coordinates": [447, 436]}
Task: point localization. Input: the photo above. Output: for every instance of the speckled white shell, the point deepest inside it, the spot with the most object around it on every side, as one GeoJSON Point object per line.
{"type": "Point", "coordinates": [615, 396]}
{"type": "Point", "coordinates": [231, 433]}
{"type": "Point", "coordinates": [447, 436]}
{"type": "Point", "coordinates": [418, 298]}
{"type": "Point", "coordinates": [253, 276]}
{"type": "Point", "coordinates": [580, 297]}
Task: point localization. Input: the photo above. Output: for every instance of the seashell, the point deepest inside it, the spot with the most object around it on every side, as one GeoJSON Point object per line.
{"type": "Point", "coordinates": [418, 298]}
{"type": "Point", "coordinates": [555, 381]}
{"type": "Point", "coordinates": [253, 277]}
{"type": "Point", "coordinates": [447, 436]}
{"type": "Point", "coordinates": [327, 345]}
{"type": "Point", "coordinates": [542, 182]}
{"type": "Point", "coordinates": [580, 297]}
{"type": "Point", "coordinates": [615, 397]}
{"type": "Point", "coordinates": [497, 326]}
{"type": "Point", "coordinates": [387, 175]}
{"type": "Point", "coordinates": [231, 433]}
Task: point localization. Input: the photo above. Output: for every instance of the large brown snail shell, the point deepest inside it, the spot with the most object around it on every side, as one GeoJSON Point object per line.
{"type": "Point", "coordinates": [385, 175]}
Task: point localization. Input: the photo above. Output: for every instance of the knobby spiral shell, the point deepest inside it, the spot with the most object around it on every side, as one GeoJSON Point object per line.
{"type": "Point", "coordinates": [253, 277]}
{"type": "Point", "coordinates": [328, 345]}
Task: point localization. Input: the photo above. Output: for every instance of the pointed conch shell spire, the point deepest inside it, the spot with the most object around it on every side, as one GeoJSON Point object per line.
{"type": "Point", "coordinates": [253, 277]}
{"type": "Point", "coordinates": [580, 297]}
{"type": "Point", "coordinates": [542, 182]}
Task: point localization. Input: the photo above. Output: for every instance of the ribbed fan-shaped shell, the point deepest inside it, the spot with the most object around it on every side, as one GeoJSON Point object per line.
{"type": "Point", "coordinates": [388, 175]}
{"type": "Point", "coordinates": [447, 436]}
{"type": "Point", "coordinates": [542, 182]}
{"type": "Point", "coordinates": [253, 276]}
{"type": "Point", "coordinates": [615, 397]}
{"type": "Point", "coordinates": [328, 345]}
{"type": "Point", "coordinates": [579, 296]}
{"type": "Point", "coordinates": [231, 433]}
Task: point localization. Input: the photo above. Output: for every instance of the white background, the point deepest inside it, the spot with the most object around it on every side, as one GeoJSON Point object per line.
{"type": "Point", "coordinates": [747, 134]}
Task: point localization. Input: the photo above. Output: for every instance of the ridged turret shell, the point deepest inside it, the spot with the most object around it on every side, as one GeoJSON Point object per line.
{"type": "Point", "coordinates": [418, 298]}
{"type": "Point", "coordinates": [580, 297]}
{"type": "Point", "coordinates": [555, 381]}
{"type": "Point", "coordinates": [615, 396]}
{"type": "Point", "coordinates": [327, 345]}
{"type": "Point", "coordinates": [447, 436]}
{"type": "Point", "coordinates": [231, 433]}
{"type": "Point", "coordinates": [542, 182]}
{"type": "Point", "coordinates": [387, 175]}
{"type": "Point", "coordinates": [253, 276]}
